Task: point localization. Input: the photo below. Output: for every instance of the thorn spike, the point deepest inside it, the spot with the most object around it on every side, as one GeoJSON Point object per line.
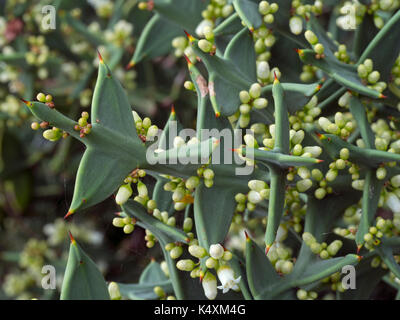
{"type": "Point", "coordinates": [130, 65]}
{"type": "Point", "coordinates": [100, 57]}
{"type": "Point", "coordinates": [71, 237]}
{"type": "Point", "coordinates": [69, 213]}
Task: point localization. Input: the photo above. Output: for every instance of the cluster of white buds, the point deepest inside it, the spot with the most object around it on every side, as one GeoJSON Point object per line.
{"type": "Point", "coordinates": [317, 46]}
{"type": "Point", "coordinates": [304, 295]}
{"type": "Point", "coordinates": [182, 47]}
{"type": "Point", "coordinates": [127, 223]}
{"type": "Point", "coordinates": [120, 34]}
{"type": "Point", "coordinates": [145, 129]}
{"type": "Point", "coordinates": [369, 76]}
{"type": "Point", "coordinates": [259, 191]}
{"type": "Point", "coordinates": [324, 250]}
{"type": "Point", "coordinates": [251, 99]}
{"type": "Point", "coordinates": [302, 118]}
{"type": "Point", "coordinates": [335, 282]}
{"type": "Point", "coordinates": [268, 10]}
{"type": "Point", "coordinates": [281, 256]}
{"type": "Point", "coordinates": [343, 125]}
{"type": "Point", "coordinates": [263, 39]}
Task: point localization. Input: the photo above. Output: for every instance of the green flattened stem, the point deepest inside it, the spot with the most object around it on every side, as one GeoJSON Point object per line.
{"type": "Point", "coordinates": [136, 210]}
{"type": "Point", "coordinates": [371, 193]}
{"type": "Point", "coordinates": [342, 73]}
{"type": "Point", "coordinates": [358, 111]}
{"type": "Point", "coordinates": [279, 159]}
{"type": "Point", "coordinates": [82, 279]}
{"type": "Point", "coordinates": [261, 275]}
{"type": "Point", "coordinates": [281, 119]}
{"type": "Point", "coordinates": [276, 204]}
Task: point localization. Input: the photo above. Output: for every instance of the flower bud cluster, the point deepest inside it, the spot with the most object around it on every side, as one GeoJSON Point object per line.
{"type": "Point", "coordinates": [145, 129]}
{"type": "Point", "coordinates": [343, 125]}
{"type": "Point", "coordinates": [324, 250]}
{"type": "Point", "coordinates": [369, 76]}
{"type": "Point", "coordinates": [259, 191]}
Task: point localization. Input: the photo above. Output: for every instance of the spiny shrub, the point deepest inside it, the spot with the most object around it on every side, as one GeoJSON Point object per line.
{"type": "Point", "coordinates": [322, 188]}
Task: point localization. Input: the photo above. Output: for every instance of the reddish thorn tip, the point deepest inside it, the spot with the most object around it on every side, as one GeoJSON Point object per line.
{"type": "Point", "coordinates": [359, 257]}
{"type": "Point", "coordinates": [247, 235]}
{"type": "Point", "coordinates": [319, 160]}
{"type": "Point", "coordinates": [71, 237]}
{"type": "Point", "coordinates": [173, 109]}
{"type": "Point", "coordinates": [190, 37]}
{"type": "Point", "coordinates": [100, 57]}
{"type": "Point", "coordinates": [69, 213]}
{"type": "Point", "coordinates": [267, 249]}
{"type": "Point", "coordinates": [130, 65]}
{"type": "Point", "coordinates": [382, 96]}
{"type": "Point", "coordinates": [359, 248]}
{"type": "Point", "coordinates": [187, 60]}
{"type": "Point", "coordinates": [28, 103]}
{"type": "Point", "coordinates": [217, 114]}
{"type": "Point", "coordinates": [275, 77]}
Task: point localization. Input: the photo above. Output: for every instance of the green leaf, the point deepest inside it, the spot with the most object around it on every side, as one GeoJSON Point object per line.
{"type": "Point", "coordinates": [110, 105]}
{"type": "Point", "coordinates": [151, 277]}
{"type": "Point", "coordinates": [152, 273]}
{"type": "Point", "coordinates": [185, 14]}
{"type": "Point", "coordinates": [261, 275]}
{"type": "Point", "coordinates": [367, 279]}
{"type": "Point", "coordinates": [136, 210]}
{"type": "Point", "coordinates": [358, 111]}
{"type": "Point", "coordinates": [282, 142]}
{"type": "Point", "coordinates": [82, 278]}
{"type": "Point", "coordinates": [371, 193]}
{"type": "Point", "coordinates": [248, 12]}
{"type": "Point", "coordinates": [328, 43]}
{"type": "Point", "coordinates": [155, 39]}
{"type": "Point", "coordinates": [385, 47]}
{"type": "Point", "coordinates": [240, 51]}
{"type": "Point", "coordinates": [143, 291]}
{"type": "Point", "coordinates": [276, 204]}
{"type": "Point", "coordinates": [230, 25]}
{"type": "Point", "coordinates": [342, 73]}
{"type": "Point", "coordinates": [386, 253]}
{"type": "Point", "coordinates": [322, 269]}
{"type": "Point", "coordinates": [213, 211]}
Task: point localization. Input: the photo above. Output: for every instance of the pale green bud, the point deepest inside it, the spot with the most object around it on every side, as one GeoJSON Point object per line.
{"type": "Point", "coordinates": [304, 185]}
{"type": "Point", "coordinates": [123, 194]}
{"type": "Point", "coordinates": [311, 37]}
{"type": "Point", "coordinates": [257, 185]}
{"type": "Point", "coordinates": [260, 103]}
{"type": "Point", "coordinates": [205, 45]}
{"type": "Point", "coordinates": [244, 96]}
{"type": "Point", "coordinates": [113, 291]}
{"type": "Point", "coordinates": [185, 265]}
{"type": "Point", "coordinates": [254, 197]}
{"type": "Point", "coordinates": [118, 222]}
{"type": "Point", "coordinates": [176, 252]}
{"type": "Point", "coordinates": [255, 90]}
{"type": "Point", "coordinates": [197, 251]}
{"type": "Point", "coordinates": [128, 228]}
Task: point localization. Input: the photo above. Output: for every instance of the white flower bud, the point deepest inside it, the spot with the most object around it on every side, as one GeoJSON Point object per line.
{"type": "Point", "coordinates": [178, 142]}
{"type": "Point", "coordinates": [263, 70]}
{"type": "Point", "coordinates": [185, 265]}
{"type": "Point", "coordinates": [209, 284]}
{"type": "Point", "coordinates": [123, 194]}
{"type": "Point", "coordinates": [296, 25]}
{"type": "Point", "coordinates": [216, 251]}
{"type": "Point", "coordinates": [113, 290]}
{"type": "Point", "coordinates": [393, 202]}
{"type": "Point", "coordinates": [227, 278]}
{"type": "Point", "coordinates": [257, 185]}
{"type": "Point", "coordinates": [254, 197]}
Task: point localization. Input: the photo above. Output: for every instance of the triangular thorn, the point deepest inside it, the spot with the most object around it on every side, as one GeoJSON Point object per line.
{"type": "Point", "coordinates": [69, 213]}
{"type": "Point", "coordinates": [217, 114]}
{"type": "Point", "coordinates": [247, 235]}
{"type": "Point", "coordinates": [190, 37]}
{"type": "Point", "coordinates": [187, 60]}
{"type": "Point", "coordinates": [359, 248]}
{"type": "Point", "coordinates": [28, 103]}
{"type": "Point", "coordinates": [71, 237]}
{"type": "Point", "coordinates": [100, 57]}
{"type": "Point", "coordinates": [381, 96]}
{"type": "Point", "coordinates": [267, 249]}
{"type": "Point", "coordinates": [130, 65]}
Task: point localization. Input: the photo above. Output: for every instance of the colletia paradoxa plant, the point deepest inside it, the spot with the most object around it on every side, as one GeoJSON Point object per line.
{"type": "Point", "coordinates": [321, 151]}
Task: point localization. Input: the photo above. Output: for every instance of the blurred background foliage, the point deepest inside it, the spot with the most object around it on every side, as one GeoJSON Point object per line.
{"type": "Point", "coordinates": [37, 176]}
